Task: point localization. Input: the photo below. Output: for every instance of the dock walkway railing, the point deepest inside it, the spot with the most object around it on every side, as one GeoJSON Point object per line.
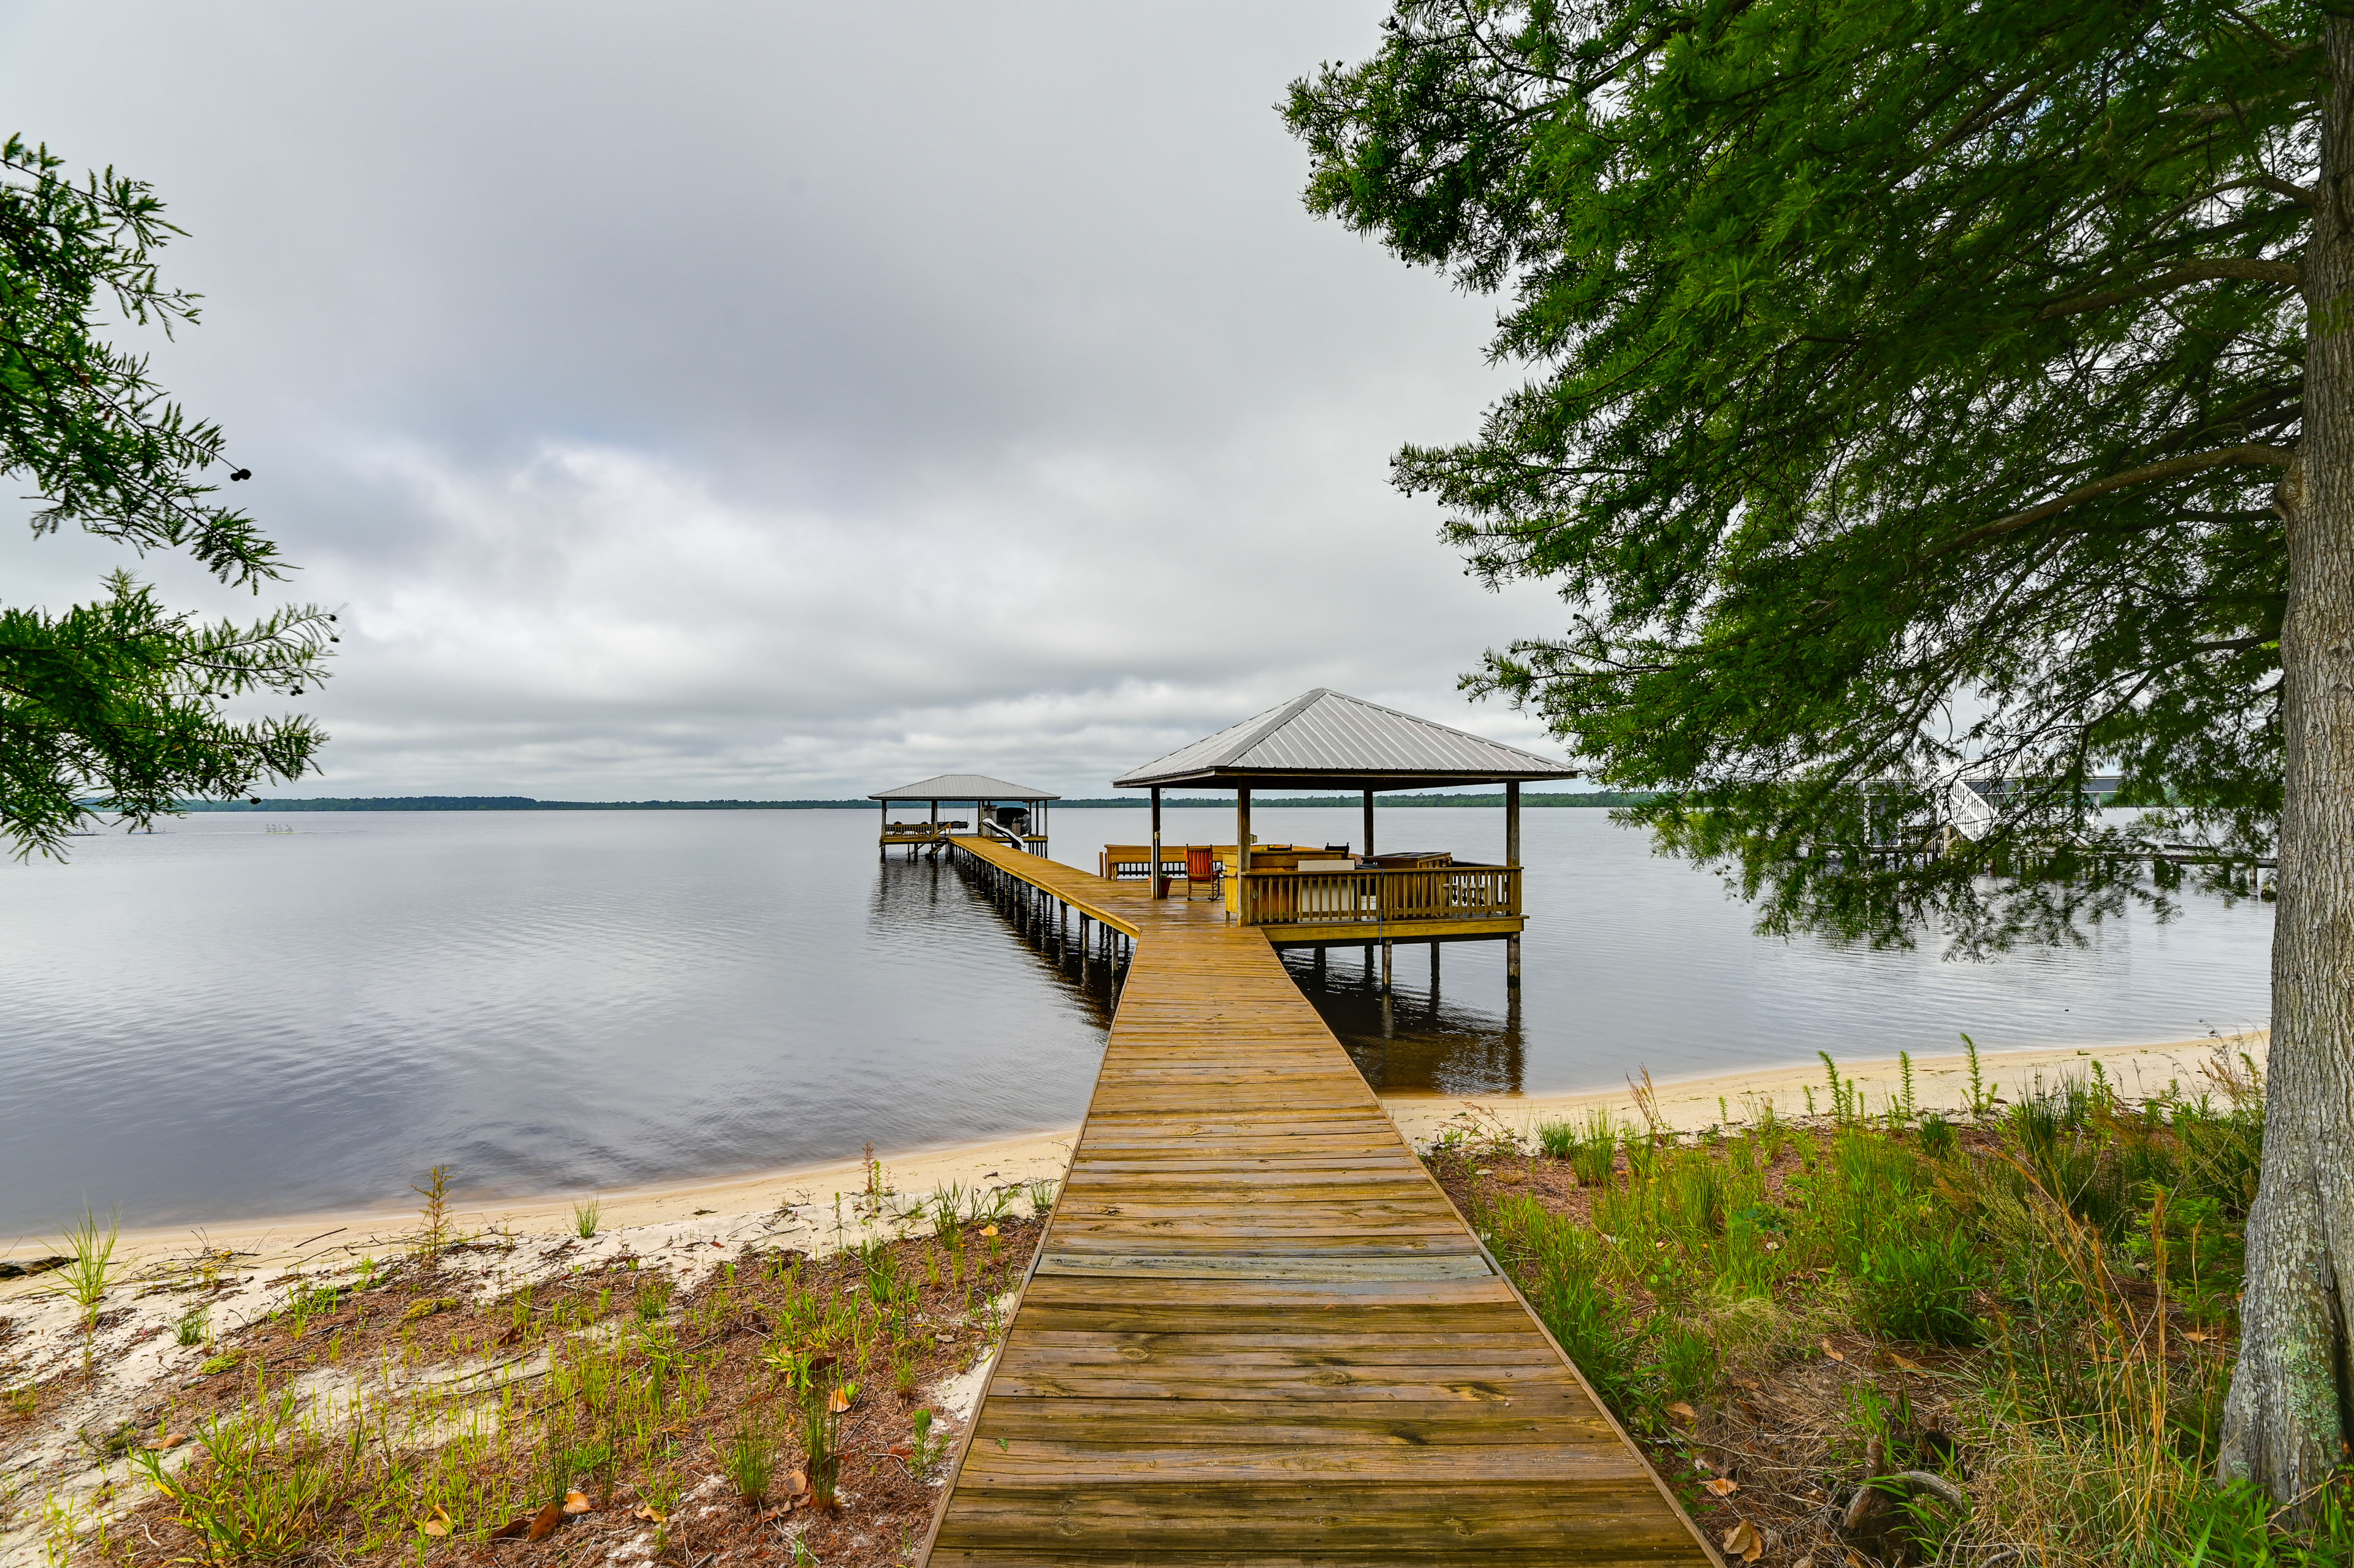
{"type": "Point", "coordinates": [1381, 897]}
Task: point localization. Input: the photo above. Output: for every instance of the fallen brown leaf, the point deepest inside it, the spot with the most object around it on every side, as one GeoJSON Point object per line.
{"type": "Point", "coordinates": [438, 1525]}
{"type": "Point", "coordinates": [1686, 1411]}
{"type": "Point", "coordinates": [1907, 1362]}
{"type": "Point", "coordinates": [2196, 1337]}
{"type": "Point", "coordinates": [1744, 1541]}
{"type": "Point", "coordinates": [1837, 1355]}
{"type": "Point", "coordinates": [512, 1335]}
{"type": "Point", "coordinates": [1748, 1382]}
{"type": "Point", "coordinates": [800, 1483]}
{"type": "Point", "coordinates": [838, 1401]}
{"type": "Point", "coordinates": [171, 1440]}
{"type": "Point", "coordinates": [650, 1514]}
{"type": "Point", "coordinates": [1723, 1485]}
{"type": "Point", "coordinates": [989, 1230]}
{"type": "Point", "coordinates": [543, 1522]}
{"type": "Point", "coordinates": [577, 1502]}
{"type": "Point", "coordinates": [900, 1451]}
{"type": "Point", "coordinates": [511, 1527]}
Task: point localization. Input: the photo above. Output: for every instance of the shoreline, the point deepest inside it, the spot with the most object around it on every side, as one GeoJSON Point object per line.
{"type": "Point", "coordinates": [694, 1209]}
{"type": "Point", "coordinates": [707, 1208]}
{"type": "Point", "coordinates": [1941, 1083]}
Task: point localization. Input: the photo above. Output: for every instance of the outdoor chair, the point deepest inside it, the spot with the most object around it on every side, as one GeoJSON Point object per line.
{"type": "Point", "coordinates": [1201, 865]}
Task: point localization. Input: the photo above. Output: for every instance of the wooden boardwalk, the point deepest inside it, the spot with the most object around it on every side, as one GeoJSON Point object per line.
{"type": "Point", "coordinates": [1257, 1331]}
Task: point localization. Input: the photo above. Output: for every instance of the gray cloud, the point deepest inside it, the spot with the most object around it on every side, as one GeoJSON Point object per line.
{"type": "Point", "coordinates": [789, 400]}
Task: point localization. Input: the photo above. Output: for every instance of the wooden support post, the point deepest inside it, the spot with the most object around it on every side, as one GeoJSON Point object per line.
{"type": "Point", "coordinates": [1386, 966]}
{"type": "Point", "coordinates": [1160, 886]}
{"type": "Point", "coordinates": [1369, 822]}
{"type": "Point", "coordinates": [1512, 860]}
{"type": "Point", "coordinates": [883, 845]}
{"type": "Point", "coordinates": [1242, 855]}
{"type": "Point", "coordinates": [1434, 966]}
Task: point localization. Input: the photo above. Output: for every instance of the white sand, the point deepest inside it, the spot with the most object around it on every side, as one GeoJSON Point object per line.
{"type": "Point", "coordinates": [1939, 1083]}
{"type": "Point", "coordinates": [795, 1204]}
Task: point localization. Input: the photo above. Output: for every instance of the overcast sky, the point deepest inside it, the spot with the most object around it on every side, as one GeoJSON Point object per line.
{"type": "Point", "coordinates": [787, 400]}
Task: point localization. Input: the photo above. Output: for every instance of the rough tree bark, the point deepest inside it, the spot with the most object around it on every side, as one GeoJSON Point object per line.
{"type": "Point", "coordinates": [2290, 1413]}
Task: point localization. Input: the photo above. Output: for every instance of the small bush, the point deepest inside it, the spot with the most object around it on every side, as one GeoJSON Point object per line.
{"type": "Point", "coordinates": [1922, 1288]}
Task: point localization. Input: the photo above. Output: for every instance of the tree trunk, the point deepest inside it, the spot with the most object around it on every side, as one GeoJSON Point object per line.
{"type": "Point", "coordinates": [2290, 1413]}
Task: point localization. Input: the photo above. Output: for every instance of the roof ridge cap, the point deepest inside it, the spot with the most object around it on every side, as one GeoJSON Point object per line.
{"type": "Point", "coordinates": [1282, 714]}
{"type": "Point", "coordinates": [1445, 728]}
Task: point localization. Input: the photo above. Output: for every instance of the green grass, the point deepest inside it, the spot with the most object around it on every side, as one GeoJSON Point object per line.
{"type": "Point", "coordinates": [2023, 1255]}
{"type": "Point", "coordinates": [584, 1218]}
{"type": "Point", "coordinates": [92, 1267]}
{"type": "Point", "coordinates": [750, 1458]}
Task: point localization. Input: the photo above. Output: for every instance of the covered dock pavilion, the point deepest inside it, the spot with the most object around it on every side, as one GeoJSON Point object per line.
{"type": "Point", "coordinates": [1325, 740]}
{"type": "Point", "coordinates": [1024, 828]}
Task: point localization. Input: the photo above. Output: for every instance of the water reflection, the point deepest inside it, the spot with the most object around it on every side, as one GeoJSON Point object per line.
{"type": "Point", "coordinates": [913, 893]}
{"type": "Point", "coordinates": [1434, 1035]}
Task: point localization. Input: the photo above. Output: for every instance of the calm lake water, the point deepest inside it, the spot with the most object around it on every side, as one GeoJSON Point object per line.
{"type": "Point", "coordinates": [220, 1019]}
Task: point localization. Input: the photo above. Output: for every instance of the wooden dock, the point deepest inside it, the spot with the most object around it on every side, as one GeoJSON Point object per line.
{"type": "Point", "coordinates": [1257, 1331]}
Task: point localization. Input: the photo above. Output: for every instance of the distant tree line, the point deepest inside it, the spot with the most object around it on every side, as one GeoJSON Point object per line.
{"type": "Point", "coordinates": [525, 803]}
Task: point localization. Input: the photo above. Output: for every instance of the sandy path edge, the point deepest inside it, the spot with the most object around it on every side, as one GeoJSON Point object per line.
{"type": "Point", "coordinates": [1940, 1083]}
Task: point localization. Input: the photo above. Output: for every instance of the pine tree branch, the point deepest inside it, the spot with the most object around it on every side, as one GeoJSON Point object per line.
{"type": "Point", "coordinates": [2172, 468]}
{"type": "Point", "coordinates": [2175, 278]}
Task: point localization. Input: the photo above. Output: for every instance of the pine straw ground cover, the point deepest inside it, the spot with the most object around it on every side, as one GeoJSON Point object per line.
{"type": "Point", "coordinates": [775, 1410]}
{"type": "Point", "coordinates": [1880, 1337]}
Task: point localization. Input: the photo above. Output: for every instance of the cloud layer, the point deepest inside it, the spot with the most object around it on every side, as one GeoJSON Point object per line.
{"type": "Point", "coordinates": [791, 401]}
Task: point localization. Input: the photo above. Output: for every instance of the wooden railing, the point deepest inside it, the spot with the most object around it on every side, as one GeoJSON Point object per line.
{"type": "Point", "coordinates": [918, 832]}
{"type": "Point", "coordinates": [1133, 862]}
{"type": "Point", "coordinates": [1381, 898]}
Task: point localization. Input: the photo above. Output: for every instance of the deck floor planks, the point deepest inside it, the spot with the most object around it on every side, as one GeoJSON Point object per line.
{"type": "Point", "coordinates": [1255, 1331]}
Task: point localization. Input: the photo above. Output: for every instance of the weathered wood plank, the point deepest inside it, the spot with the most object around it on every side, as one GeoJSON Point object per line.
{"type": "Point", "coordinates": [1293, 1265]}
